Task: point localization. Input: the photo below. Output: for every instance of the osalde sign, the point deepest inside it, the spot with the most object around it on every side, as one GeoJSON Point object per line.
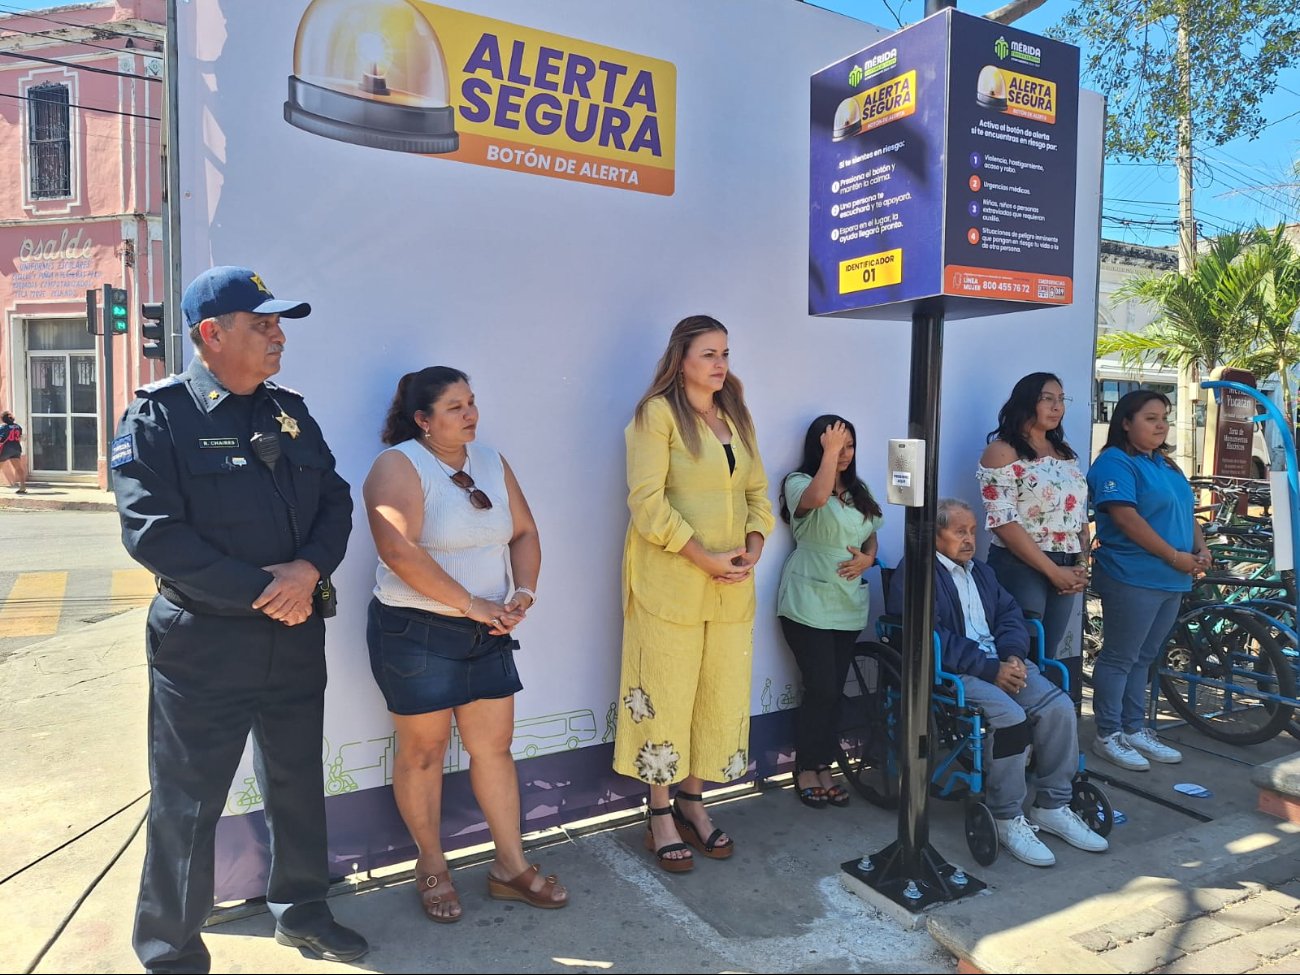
{"type": "Point", "coordinates": [54, 268]}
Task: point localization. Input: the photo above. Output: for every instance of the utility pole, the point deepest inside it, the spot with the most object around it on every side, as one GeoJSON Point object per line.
{"type": "Point", "coordinates": [1188, 387]}
{"type": "Point", "coordinates": [173, 341]}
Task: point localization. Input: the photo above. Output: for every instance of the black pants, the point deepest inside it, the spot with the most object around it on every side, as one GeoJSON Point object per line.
{"type": "Point", "coordinates": [823, 657]}
{"type": "Point", "coordinates": [212, 680]}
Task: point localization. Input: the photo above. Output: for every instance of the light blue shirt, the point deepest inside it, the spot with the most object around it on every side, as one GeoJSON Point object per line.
{"type": "Point", "coordinates": [972, 607]}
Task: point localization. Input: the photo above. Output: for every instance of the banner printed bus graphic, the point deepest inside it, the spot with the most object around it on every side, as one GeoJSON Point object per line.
{"type": "Point", "coordinates": [422, 78]}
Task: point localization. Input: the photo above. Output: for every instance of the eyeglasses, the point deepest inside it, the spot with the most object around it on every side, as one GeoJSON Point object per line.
{"type": "Point", "coordinates": [1051, 400]}
{"type": "Point", "coordinates": [476, 496]}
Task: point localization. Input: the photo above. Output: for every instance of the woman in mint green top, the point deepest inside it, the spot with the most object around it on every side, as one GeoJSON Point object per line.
{"type": "Point", "coordinates": [822, 603]}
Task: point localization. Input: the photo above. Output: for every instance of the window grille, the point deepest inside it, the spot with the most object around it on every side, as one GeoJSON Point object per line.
{"type": "Point", "coordinates": [49, 147]}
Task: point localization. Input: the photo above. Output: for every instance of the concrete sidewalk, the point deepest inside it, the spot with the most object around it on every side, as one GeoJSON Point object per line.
{"type": "Point", "coordinates": [1173, 886]}
{"type": "Point", "coordinates": [56, 496]}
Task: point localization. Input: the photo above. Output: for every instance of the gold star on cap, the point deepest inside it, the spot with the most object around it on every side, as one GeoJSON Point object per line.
{"type": "Point", "coordinates": [213, 395]}
{"type": "Point", "coordinates": [287, 424]}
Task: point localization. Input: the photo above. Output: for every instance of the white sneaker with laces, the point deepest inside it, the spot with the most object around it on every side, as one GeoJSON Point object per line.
{"type": "Point", "coordinates": [1146, 742]}
{"type": "Point", "coordinates": [1018, 838]}
{"type": "Point", "coordinates": [1065, 823]}
{"type": "Point", "coordinates": [1113, 748]}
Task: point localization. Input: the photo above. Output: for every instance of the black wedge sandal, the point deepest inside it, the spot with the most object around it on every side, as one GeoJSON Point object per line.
{"type": "Point", "coordinates": [710, 848]}
{"type": "Point", "coordinates": [671, 864]}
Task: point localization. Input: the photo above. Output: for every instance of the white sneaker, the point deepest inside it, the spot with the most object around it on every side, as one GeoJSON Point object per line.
{"type": "Point", "coordinates": [1017, 838]}
{"type": "Point", "coordinates": [1065, 823]}
{"type": "Point", "coordinates": [1113, 748]}
{"type": "Point", "coordinates": [1146, 742]}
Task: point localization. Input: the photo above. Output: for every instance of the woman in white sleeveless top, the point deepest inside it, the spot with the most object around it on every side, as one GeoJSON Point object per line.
{"type": "Point", "coordinates": [458, 562]}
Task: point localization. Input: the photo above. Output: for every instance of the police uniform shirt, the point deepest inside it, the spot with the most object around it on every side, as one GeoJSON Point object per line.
{"type": "Point", "coordinates": [202, 512]}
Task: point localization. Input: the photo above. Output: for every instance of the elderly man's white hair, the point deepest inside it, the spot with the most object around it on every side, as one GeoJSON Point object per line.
{"type": "Point", "coordinates": [945, 507]}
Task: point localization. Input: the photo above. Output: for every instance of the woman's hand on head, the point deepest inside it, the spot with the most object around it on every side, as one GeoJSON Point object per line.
{"type": "Point", "coordinates": [834, 439]}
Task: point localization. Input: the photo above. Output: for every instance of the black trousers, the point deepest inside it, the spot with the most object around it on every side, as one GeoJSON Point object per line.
{"type": "Point", "coordinates": [212, 681]}
{"type": "Point", "coordinates": [823, 657]}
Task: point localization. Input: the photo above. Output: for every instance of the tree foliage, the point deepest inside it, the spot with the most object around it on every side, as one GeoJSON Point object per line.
{"type": "Point", "coordinates": [1236, 307]}
{"type": "Point", "coordinates": [1236, 49]}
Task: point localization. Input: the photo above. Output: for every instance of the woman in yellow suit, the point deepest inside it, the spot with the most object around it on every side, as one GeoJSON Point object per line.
{"type": "Point", "coordinates": [700, 513]}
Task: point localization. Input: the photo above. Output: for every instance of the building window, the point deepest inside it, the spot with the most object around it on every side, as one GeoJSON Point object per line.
{"type": "Point", "coordinates": [49, 147]}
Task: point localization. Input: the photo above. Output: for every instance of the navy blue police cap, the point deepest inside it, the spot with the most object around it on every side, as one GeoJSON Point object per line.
{"type": "Point", "coordinates": [221, 290]}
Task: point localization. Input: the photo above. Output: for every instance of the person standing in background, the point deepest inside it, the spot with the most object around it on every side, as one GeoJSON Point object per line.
{"type": "Point", "coordinates": [11, 451]}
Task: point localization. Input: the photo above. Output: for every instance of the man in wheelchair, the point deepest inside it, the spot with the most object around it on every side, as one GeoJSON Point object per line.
{"type": "Point", "coordinates": [984, 641]}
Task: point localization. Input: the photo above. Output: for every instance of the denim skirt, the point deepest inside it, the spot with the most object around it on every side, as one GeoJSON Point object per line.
{"type": "Point", "coordinates": [426, 662]}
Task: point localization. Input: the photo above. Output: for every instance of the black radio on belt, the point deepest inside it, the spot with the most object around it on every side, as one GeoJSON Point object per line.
{"type": "Point", "coordinates": [325, 598]}
{"type": "Point", "coordinates": [266, 446]}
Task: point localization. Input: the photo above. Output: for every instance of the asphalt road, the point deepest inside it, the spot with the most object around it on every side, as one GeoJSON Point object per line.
{"type": "Point", "coordinates": [61, 570]}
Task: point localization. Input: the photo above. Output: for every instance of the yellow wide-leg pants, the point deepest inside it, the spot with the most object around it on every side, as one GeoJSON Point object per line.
{"type": "Point", "coordinates": [683, 704]}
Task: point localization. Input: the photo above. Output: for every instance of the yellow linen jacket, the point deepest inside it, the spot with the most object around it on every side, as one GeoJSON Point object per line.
{"type": "Point", "coordinates": [673, 496]}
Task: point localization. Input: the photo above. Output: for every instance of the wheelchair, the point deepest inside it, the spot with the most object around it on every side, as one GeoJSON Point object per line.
{"type": "Point", "coordinates": [870, 722]}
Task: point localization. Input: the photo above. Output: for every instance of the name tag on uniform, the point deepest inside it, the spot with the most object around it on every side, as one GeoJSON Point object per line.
{"type": "Point", "coordinates": [122, 451]}
{"type": "Point", "coordinates": [218, 443]}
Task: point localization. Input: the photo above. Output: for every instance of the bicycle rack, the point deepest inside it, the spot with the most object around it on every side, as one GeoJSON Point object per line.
{"type": "Point", "coordinates": [1271, 411]}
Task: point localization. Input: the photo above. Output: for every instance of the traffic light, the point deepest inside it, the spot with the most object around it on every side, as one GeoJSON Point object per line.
{"type": "Point", "coordinates": [115, 310]}
{"type": "Point", "coordinates": [153, 330]}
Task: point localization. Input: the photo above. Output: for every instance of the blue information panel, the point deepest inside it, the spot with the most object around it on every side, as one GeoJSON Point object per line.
{"type": "Point", "coordinates": [944, 170]}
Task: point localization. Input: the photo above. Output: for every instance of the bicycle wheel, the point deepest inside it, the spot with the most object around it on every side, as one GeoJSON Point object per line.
{"type": "Point", "coordinates": [1091, 634]}
{"type": "Point", "coordinates": [1224, 671]}
{"type": "Point", "coordinates": [869, 709]}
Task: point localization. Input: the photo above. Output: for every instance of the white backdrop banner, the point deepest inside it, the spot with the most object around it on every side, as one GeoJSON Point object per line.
{"type": "Point", "coordinates": [556, 292]}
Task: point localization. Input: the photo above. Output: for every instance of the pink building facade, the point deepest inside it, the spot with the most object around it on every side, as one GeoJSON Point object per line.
{"type": "Point", "coordinates": [81, 100]}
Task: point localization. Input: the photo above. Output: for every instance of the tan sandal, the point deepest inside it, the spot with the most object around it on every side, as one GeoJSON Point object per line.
{"type": "Point", "coordinates": [436, 890]}
{"type": "Point", "coordinates": [521, 889]}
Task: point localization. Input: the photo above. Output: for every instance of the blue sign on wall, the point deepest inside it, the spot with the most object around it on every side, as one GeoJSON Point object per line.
{"type": "Point", "coordinates": [943, 167]}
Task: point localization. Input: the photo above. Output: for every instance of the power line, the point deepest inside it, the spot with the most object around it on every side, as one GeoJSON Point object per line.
{"type": "Point", "coordinates": [59, 40]}
{"type": "Point", "coordinates": [78, 66]}
{"type": "Point", "coordinates": [20, 12]}
{"type": "Point", "coordinates": [86, 108]}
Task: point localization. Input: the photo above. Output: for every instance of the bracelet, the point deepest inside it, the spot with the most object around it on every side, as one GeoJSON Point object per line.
{"type": "Point", "coordinates": [470, 608]}
{"type": "Point", "coordinates": [524, 589]}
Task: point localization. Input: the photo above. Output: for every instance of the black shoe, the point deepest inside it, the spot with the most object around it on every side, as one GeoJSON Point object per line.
{"type": "Point", "coordinates": [333, 942]}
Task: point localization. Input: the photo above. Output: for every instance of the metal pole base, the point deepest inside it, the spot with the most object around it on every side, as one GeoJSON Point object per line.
{"type": "Point", "coordinates": [939, 882]}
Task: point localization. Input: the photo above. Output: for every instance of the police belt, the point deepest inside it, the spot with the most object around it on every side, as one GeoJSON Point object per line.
{"type": "Point", "coordinates": [178, 598]}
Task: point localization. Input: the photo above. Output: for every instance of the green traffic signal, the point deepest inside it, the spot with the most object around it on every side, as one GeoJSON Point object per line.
{"type": "Point", "coordinates": [117, 310]}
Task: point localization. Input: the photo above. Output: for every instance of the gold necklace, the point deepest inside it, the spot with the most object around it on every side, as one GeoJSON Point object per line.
{"type": "Point", "coordinates": [711, 411]}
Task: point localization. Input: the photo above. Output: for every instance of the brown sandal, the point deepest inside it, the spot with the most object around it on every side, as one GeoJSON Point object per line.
{"type": "Point", "coordinates": [666, 862]}
{"type": "Point", "coordinates": [521, 889]}
{"type": "Point", "coordinates": [435, 890]}
{"type": "Point", "coordinates": [718, 845]}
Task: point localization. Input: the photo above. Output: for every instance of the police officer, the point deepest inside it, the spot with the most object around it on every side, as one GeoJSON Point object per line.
{"type": "Point", "coordinates": [228, 494]}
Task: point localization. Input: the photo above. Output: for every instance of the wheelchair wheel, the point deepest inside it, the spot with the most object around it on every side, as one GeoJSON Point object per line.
{"type": "Point", "coordinates": [1224, 671]}
{"type": "Point", "coordinates": [1092, 805]}
{"type": "Point", "coordinates": [868, 723]}
{"type": "Point", "coordinates": [981, 833]}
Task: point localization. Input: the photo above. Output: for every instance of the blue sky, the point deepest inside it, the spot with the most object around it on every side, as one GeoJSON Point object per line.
{"type": "Point", "coordinates": [1146, 194]}
{"type": "Point", "coordinates": [1143, 193]}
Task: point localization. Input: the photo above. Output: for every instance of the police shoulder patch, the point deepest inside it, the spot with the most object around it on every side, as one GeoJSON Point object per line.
{"type": "Point", "coordinates": [122, 451]}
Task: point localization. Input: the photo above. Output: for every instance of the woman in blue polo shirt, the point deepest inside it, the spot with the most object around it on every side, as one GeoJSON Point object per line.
{"type": "Point", "coordinates": [1150, 550]}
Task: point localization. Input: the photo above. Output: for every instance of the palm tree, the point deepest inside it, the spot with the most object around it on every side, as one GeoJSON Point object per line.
{"type": "Point", "coordinates": [1272, 268]}
{"type": "Point", "coordinates": [1237, 307]}
{"type": "Point", "coordinates": [1204, 316]}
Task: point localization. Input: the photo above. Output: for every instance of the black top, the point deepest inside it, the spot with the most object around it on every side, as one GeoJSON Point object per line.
{"type": "Point", "coordinates": [201, 511]}
{"type": "Point", "coordinates": [731, 458]}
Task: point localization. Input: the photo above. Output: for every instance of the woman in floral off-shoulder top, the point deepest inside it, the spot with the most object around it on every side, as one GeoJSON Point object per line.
{"type": "Point", "coordinates": [1036, 505]}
